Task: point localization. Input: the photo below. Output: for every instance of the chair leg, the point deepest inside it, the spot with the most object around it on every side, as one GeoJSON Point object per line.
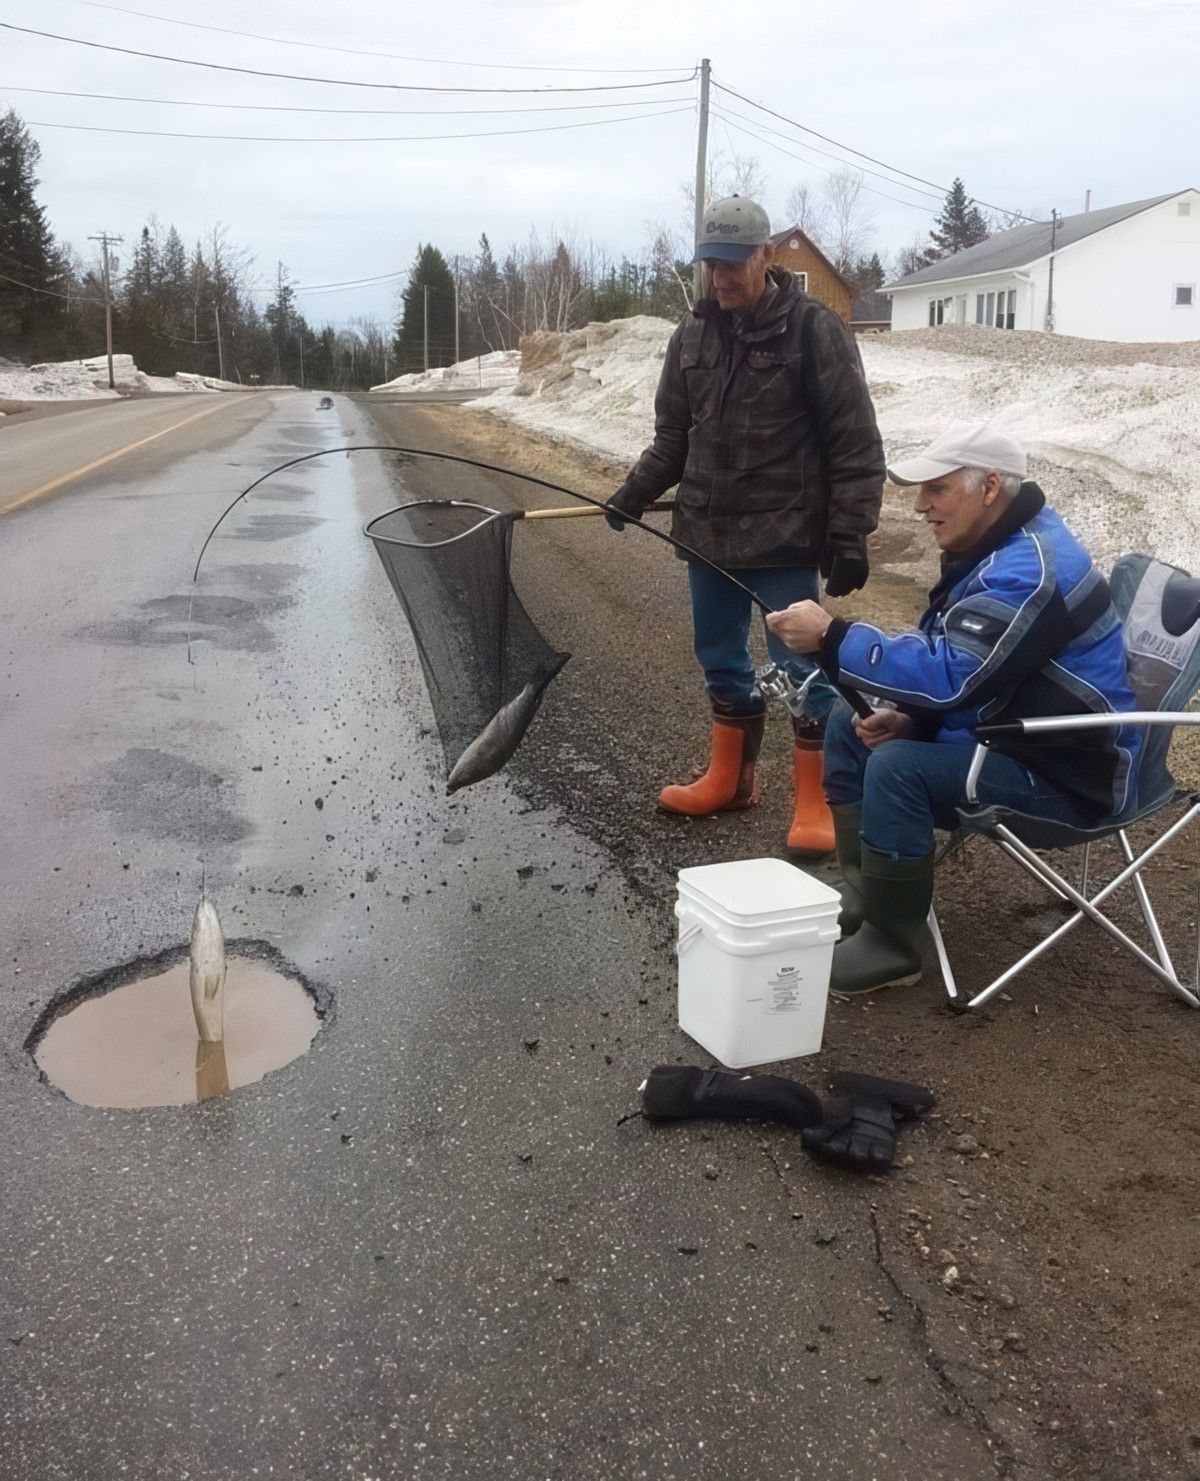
{"type": "Point", "coordinates": [1160, 946]}
{"type": "Point", "coordinates": [1041, 870]}
{"type": "Point", "coordinates": [948, 981]}
{"type": "Point", "coordinates": [1085, 868]}
{"type": "Point", "coordinates": [1022, 855]}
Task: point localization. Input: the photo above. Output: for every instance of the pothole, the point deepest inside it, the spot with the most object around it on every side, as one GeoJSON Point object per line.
{"type": "Point", "coordinates": [129, 1040]}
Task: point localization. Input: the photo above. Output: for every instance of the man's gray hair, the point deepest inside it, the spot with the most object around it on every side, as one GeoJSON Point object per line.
{"type": "Point", "coordinates": [1009, 482]}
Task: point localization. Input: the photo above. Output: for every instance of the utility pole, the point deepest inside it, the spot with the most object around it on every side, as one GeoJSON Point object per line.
{"type": "Point", "coordinates": [300, 341]}
{"type": "Point", "coordinates": [701, 171]}
{"type": "Point", "coordinates": [104, 239]}
{"type": "Point", "coordinates": [220, 346]}
{"type": "Point", "coordinates": [425, 293]}
{"type": "Point", "coordinates": [456, 354]}
{"type": "Point", "coordinates": [1050, 283]}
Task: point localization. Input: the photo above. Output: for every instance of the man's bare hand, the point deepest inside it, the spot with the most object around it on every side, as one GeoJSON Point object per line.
{"type": "Point", "coordinates": [801, 626]}
{"type": "Point", "coordinates": [884, 725]}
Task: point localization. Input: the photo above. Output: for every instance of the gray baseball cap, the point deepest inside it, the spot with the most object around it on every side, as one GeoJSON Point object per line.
{"type": "Point", "coordinates": [731, 230]}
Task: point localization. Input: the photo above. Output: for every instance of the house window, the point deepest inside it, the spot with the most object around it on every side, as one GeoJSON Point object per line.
{"type": "Point", "coordinates": [802, 279]}
{"type": "Point", "coordinates": [1185, 295]}
{"type": "Point", "coordinates": [794, 244]}
{"type": "Point", "coordinates": [998, 310]}
{"type": "Point", "coordinates": [941, 311]}
{"type": "Point", "coordinates": [1183, 208]}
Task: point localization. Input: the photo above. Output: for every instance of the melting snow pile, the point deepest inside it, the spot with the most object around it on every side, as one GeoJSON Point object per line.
{"type": "Point", "coordinates": [490, 372]}
{"type": "Point", "coordinates": [1113, 439]}
{"type": "Point", "coordinates": [80, 380]}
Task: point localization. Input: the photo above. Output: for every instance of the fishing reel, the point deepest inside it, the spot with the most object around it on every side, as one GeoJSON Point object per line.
{"type": "Point", "coordinates": [776, 683]}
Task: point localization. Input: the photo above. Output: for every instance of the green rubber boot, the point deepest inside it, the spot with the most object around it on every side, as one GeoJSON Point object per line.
{"type": "Point", "coordinates": [846, 822]}
{"type": "Point", "coordinates": [886, 949]}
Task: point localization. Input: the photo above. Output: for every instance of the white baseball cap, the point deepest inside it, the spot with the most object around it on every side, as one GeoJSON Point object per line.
{"type": "Point", "coordinates": [962, 445]}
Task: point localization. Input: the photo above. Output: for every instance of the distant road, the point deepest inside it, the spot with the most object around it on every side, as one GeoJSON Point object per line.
{"type": "Point", "coordinates": [62, 454]}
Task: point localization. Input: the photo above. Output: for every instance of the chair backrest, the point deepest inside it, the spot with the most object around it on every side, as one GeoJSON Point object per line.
{"type": "Point", "coordinates": [1159, 607]}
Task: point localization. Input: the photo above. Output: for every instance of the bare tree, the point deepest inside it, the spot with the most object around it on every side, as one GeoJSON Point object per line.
{"type": "Point", "coordinates": [913, 256]}
{"type": "Point", "coordinates": [805, 209]}
{"type": "Point", "coordinates": [850, 220]}
{"type": "Point", "coordinates": [728, 173]}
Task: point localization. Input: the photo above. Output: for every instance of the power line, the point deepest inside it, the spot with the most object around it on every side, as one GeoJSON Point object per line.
{"type": "Point", "coordinates": [55, 92]}
{"type": "Point", "coordinates": [29, 288]}
{"type": "Point", "coordinates": [550, 128]}
{"type": "Point", "coordinates": [352, 51]}
{"type": "Point", "coordinates": [771, 144]}
{"type": "Point", "coordinates": [403, 87]}
{"type": "Point", "coordinates": [729, 113]}
{"type": "Point", "coordinates": [849, 149]}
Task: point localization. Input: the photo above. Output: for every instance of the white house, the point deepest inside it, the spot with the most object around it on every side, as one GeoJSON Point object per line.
{"type": "Point", "coordinates": [1127, 272]}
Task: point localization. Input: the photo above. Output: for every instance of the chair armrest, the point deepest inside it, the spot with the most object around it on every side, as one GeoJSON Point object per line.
{"type": "Point", "coordinates": [1049, 724]}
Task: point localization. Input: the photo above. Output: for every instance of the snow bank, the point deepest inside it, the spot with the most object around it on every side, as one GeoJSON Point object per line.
{"type": "Point", "coordinates": [498, 369]}
{"type": "Point", "coordinates": [1114, 441]}
{"type": "Point", "coordinates": [80, 380]}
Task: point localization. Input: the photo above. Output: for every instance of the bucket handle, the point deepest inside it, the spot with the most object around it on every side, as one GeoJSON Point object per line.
{"type": "Point", "coordinates": [687, 936]}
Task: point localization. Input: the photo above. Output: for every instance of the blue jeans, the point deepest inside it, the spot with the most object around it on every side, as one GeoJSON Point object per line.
{"type": "Point", "coordinates": [908, 788]}
{"type": "Point", "coordinates": [721, 623]}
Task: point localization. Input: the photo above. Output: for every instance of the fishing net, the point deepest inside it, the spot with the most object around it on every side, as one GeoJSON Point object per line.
{"type": "Point", "coordinates": [485, 662]}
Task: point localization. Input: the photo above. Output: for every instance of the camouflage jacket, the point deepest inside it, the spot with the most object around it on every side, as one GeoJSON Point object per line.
{"type": "Point", "coordinates": [766, 425]}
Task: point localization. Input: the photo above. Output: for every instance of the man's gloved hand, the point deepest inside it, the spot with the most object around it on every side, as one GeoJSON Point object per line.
{"type": "Point", "coordinates": [844, 565]}
{"type": "Point", "coordinates": [628, 503]}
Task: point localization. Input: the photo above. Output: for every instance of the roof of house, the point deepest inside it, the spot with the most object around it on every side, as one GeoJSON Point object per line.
{"type": "Point", "coordinates": [1021, 245]}
{"type": "Point", "coordinates": [871, 307]}
{"type": "Point", "coordinates": [779, 237]}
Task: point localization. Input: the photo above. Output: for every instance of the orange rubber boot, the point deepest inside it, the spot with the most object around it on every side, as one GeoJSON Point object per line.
{"type": "Point", "coordinates": [811, 833]}
{"type": "Point", "coordinates": [728, 784]}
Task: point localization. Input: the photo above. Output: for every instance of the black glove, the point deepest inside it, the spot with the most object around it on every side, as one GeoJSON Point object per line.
{"type": "Point", "coordinates": [628, 503]}
{"type": "Point", "coordinates": [844, 565]}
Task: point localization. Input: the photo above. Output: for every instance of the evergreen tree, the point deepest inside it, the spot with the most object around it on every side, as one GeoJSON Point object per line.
{"type": "Point", "coordinates": [27, 313]}
{"type": "Point", "coordinates": [429, 270]}
{"type": "Point", "coordinates": [961, 224]}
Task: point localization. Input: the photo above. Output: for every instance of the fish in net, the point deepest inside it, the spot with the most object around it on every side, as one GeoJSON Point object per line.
{"type": "Point", "coordinates": [486, 664]}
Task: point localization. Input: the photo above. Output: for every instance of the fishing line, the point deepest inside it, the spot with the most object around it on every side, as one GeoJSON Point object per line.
{"type": "Point", "coordinates": [421, 452]}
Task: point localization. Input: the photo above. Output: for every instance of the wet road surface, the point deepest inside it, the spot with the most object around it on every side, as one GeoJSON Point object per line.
{"type": "Point", "coordinates": [442, 1242]}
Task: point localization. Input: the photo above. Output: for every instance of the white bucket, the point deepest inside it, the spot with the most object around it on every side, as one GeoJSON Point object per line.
{"type": "Point", "coordinates": [755, 947]}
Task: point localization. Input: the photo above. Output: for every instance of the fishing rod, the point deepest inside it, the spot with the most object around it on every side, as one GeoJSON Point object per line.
{"type": "Point", "coordinates": [783, 686]}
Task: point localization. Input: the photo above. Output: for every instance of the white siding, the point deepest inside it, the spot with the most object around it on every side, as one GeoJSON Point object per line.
{"type": "Point", "coordinates": [1118, 284]}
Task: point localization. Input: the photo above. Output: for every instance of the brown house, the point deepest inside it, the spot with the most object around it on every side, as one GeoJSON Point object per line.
{"type": "Point", "coordinates": [818, 276]}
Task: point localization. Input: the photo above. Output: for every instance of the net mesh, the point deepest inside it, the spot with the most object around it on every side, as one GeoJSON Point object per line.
{"type": "Point", "coordinates": [485, 662]}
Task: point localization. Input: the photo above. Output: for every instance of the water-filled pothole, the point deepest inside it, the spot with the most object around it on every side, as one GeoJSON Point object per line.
{"type": "Point", "coordinates": [135, 1045]}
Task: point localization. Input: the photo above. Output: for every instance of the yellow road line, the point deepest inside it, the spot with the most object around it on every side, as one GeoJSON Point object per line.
{"type": "Point", "coordinates": [57, 483]}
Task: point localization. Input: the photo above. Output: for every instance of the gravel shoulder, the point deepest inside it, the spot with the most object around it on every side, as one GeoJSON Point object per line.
{"type": "Point", "coordinates": [1041, 1241]}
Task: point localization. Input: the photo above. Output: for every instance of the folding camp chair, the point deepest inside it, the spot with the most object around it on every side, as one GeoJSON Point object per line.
{"type": "Point", "coordinates": [1159, 606]}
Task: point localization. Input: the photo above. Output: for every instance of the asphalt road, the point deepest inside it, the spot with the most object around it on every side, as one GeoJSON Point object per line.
{"type": "Point", "coordinates": [443, 1243]}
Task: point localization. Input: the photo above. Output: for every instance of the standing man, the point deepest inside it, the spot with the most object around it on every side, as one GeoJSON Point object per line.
{"type": "Point", "coordinates": [763, 419]}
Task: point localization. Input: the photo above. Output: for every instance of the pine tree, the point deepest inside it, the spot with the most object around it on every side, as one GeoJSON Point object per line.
{"type": "Point", "coordinates": [429, 270]}
{"type": "Point", "coordinates": [27, 252]}
{"type": "Point", "coordinates": [961, 224]}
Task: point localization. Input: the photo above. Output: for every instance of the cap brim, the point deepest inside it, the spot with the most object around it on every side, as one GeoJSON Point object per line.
{"type": "Point", "coordinates": [919, 470]}
{"type": "Point", "coordinates": [723, 252]}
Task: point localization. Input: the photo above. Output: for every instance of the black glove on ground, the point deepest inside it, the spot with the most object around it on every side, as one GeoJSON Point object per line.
{"type": "Point", "coordinates": [628, 503]}
{"type": "Point", "coordinates": [859, 1129]}
{"type": "Point", "coordinates": [678, 1092]}
{"type": "Point", "coordinates": [844, 566]}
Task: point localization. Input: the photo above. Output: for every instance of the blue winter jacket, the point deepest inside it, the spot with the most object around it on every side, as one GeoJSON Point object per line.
{"type": "Point", "coordinates": [1021, 626]}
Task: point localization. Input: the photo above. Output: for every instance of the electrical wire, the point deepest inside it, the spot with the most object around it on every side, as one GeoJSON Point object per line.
{"type": "Point", "coordinates": [55, 92]}
{"type": "Point", "coordinates": [403, 87]}
{"type": "Point", "coordinates": [53, 292]}
{"type": "Point", "coordinates": [943, 190]}
{"type": "Point", "coordinates": [549, 128]}
{"type": "Point", "coordinates": [352, 51]}
{"type": "Point", "coordinates": [729, 113]}
{"type": "Point", "coordinates": [750, 133]}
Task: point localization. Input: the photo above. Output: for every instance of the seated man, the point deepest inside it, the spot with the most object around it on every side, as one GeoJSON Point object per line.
{"type": "Point", "coordinates": [1019, 625]}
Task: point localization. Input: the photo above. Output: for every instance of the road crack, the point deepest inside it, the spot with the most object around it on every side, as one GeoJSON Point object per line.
{"type": "Point", "coordinates": [938, 1366]}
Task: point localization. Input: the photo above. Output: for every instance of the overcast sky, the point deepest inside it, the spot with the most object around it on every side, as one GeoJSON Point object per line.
{"type": "Point", "coordinates": [1031, 104]}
